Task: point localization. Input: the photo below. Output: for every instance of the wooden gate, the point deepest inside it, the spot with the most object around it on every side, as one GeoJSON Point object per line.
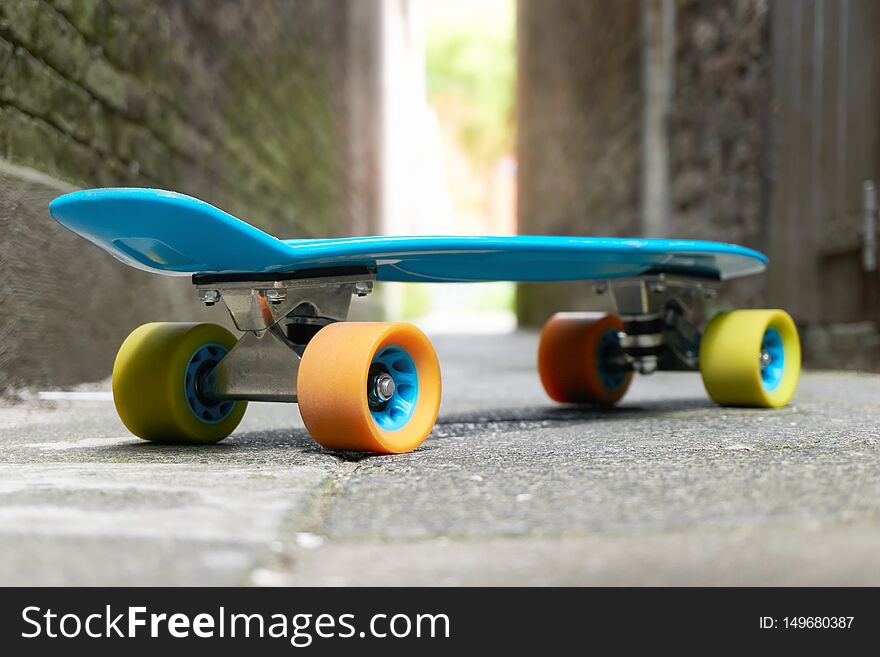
{"type": "Point", "coordinates": [826, 131]}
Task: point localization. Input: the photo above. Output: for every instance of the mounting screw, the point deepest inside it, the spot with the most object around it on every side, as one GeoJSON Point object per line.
{"type": "Point", "coordinates": [209, 297]}
{"type": "Point", "coordinates": [710, 292]}
{"type": "Point", "coordinates": [658, 287]}
{"type": "Point", "coordinates": [600, 287]}
{"type": "Point", "coordinates": [275, 295]}
{"type": "Point", "coordinates": [363, 288]}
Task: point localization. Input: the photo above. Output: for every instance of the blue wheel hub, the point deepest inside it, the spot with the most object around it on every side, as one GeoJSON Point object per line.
{"type": "Point", "coordinates": [201, 363]}
{"type": "Point", "coordinates": [609, 347]}
{"type": "Point", "coordinates": [392, 404]}
{"type": "Point", "coordinates": [772, 359]}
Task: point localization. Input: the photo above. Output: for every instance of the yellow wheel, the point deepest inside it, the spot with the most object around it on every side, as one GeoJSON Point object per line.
{"type": "Point", "coordinates": [156, 383]}
{"type": "Point", "coordinates": [751, 358]}
{"type": "Point", "coordinates": [575, 359]}
{"type": "Point", "coordinates": [369, 386]}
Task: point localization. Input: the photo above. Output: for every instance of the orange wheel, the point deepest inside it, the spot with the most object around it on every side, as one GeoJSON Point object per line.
{"type": "Point", "coordinates": [369, 386]}
{"type": "Point", "coordinates": [574, 355]}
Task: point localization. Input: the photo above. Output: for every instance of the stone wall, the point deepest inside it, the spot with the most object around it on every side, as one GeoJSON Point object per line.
{"type": "Point", "coordinates": [720, 121]}
{"type": "Point", "coordinates": [720, 130]}
{"type": "Point", "coordinates": [581, 119]}
{"type": "Point", "coordinates": [579, 130]}
{"type": "Point", "coordinates": [266, 109]}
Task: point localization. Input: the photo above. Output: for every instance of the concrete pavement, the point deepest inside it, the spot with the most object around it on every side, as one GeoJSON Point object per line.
{"type": "Point", "coordinates": [509, 489]}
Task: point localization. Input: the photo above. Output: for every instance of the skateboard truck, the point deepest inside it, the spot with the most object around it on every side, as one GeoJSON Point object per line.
{"type": "Point", "coordinates": [659, 317]}
{"type": "Point", "coordinates": [279, 314]}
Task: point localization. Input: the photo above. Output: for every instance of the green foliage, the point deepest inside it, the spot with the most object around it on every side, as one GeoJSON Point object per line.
{"type": "Point", "coordinates": [471, 63]}
{"type": "Point", "coordinates": [416, 301]}
{"type": "Point", "coordinates": [421, 300]}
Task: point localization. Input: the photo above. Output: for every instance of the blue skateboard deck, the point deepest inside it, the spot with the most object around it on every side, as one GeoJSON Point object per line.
{"type": "Point", "coordinates": [170, 233]}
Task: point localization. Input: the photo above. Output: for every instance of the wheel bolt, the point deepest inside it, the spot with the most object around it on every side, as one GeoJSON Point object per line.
{"type": "Point", "coordinates": [383, 387]}
{"type": "Point", "coordinates": [764, 358]}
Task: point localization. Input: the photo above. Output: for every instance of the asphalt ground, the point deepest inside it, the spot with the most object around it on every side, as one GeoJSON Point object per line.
{"type": "Point", "coordinates": [509, 489]}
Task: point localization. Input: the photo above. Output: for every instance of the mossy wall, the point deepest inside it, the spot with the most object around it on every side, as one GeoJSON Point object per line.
{"type": "Point", "coordinates": [267, 109]}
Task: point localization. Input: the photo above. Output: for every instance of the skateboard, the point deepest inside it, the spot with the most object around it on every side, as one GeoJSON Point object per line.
{"type": "Point", "coordinates": [375, 386]}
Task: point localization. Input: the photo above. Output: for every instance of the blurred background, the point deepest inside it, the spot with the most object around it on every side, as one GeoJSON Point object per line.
{"type": "Point", "coordinates": [748, 121]}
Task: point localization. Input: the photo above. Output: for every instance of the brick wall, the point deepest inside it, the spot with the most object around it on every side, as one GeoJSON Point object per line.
{"type": "Point", "coordinates": [262, 108]}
